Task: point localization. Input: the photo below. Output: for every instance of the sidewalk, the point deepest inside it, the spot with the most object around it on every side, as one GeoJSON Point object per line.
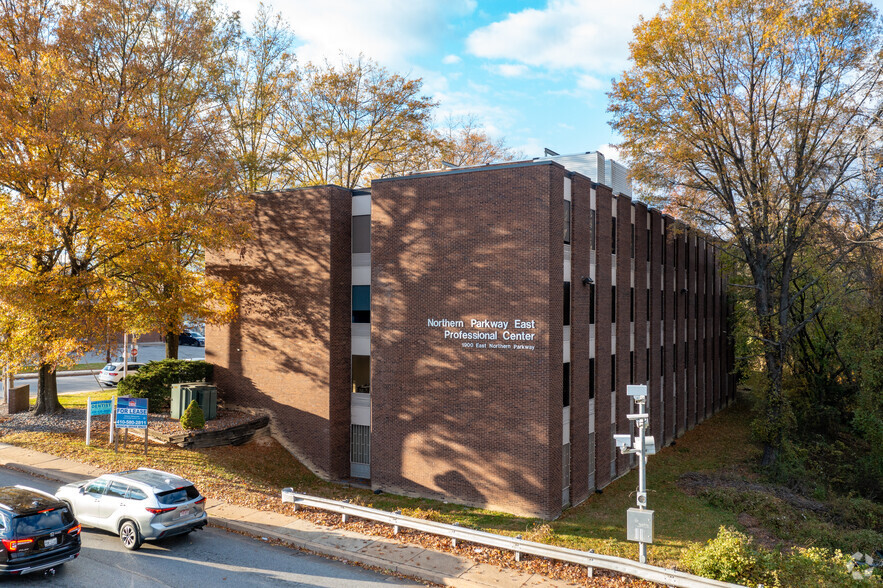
{"type": "Point", "coordinates": [386, 554]}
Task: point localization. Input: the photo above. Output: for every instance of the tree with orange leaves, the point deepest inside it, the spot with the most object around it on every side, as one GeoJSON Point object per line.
{"type": "Point", "coordinates": [758, 120]}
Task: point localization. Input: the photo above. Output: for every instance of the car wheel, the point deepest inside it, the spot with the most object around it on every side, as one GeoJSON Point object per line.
{"type": "Point", "coordinates": [130, 536]}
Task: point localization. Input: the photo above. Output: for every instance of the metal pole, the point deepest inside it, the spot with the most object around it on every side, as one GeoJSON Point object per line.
{"type": "Point", "coordinates": [642, 481]}
{"type": "Point", "coordinates": [88, 418]}
{"type": "Point", "coordinates": [125, 354]}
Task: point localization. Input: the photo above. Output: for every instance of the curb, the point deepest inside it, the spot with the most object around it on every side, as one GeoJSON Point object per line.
{"type": "Point", "coordinates": [35, 375]}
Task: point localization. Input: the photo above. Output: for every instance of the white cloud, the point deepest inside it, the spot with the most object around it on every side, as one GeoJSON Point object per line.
{"type": "Point", "coordinates": [389, 32]}
{"type": "Point", "coordinates": [451, 59]}
{"type": "Point", "coordinates": [587, 35]}
{"type": "Point", "coordinates": [587, 82]}
{"type": "Point", "coordinates": [511, 70]}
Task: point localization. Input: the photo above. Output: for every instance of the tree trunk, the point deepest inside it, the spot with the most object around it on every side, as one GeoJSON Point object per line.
{"type": "Point", "coordinates": [47, 392]}
{"type": "Point", "coordinates": [171, 345]}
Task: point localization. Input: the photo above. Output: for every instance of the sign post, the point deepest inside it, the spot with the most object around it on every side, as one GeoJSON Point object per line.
{"type": "Point", "coordinates": [639, 522]}
{"type": "Point", "coordinates": [97, 408]}
{"type": "Point", "coordinates": [132, 414]}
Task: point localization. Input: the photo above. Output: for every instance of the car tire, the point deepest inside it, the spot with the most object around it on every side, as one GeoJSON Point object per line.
{"type": "Point", "coordinates": [130, 535]}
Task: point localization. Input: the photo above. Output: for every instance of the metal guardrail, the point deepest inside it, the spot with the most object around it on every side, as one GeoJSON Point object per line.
{"type": "Point", "coordinates": [516, 545]}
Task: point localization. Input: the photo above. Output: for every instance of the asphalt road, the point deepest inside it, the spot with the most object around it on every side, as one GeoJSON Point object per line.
{"type": "Point", "coordinates": [66, 384]}
{"type": "Point", "coordinates": [211, 558]}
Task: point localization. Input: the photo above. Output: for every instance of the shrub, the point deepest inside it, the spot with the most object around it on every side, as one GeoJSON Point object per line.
{"type": "Point", "coordinates": [193, 417]}
{"type": "Point", "coordinates": [731, 557]}
{"type": "Point", "coordinates": [154, 381]}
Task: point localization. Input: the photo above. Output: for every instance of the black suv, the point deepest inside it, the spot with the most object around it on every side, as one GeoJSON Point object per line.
{"type": "Point", "coordinates": [37, 531]}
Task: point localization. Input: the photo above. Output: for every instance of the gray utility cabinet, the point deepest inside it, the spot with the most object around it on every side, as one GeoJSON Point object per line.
{"type": "Point", "coordinates": [205, 395]}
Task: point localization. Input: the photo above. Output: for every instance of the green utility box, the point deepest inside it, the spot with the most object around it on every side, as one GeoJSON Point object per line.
{"type": "Point", "coordinates": [205, 395]}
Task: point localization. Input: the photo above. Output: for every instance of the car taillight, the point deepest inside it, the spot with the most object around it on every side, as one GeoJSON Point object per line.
{"type": "Point", "coordinates": [159, 510]}
{"type": "Point", "coordinates": [75, 530]}
{"type": "Point", "coordinates": [113, 373]}
{"type": "Point", "coordinates": [200, 501]}
{"type": "Point", "coordinates": [12, 545]}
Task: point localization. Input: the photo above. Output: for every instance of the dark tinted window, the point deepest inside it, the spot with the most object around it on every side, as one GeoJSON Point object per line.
{"type": "Point", "coordinates": [362, 234]}
{"type": "Point", "coordinates": [613, 240]}
{"type": "Point", "coordinates": [361, 304]}
{"type": "Point", "coordinates": [567, 221]}
{"type": "Point", "coordinates": [566, 385]}
{"type": "Point", "coordinates": [178, 496]}
{"type": "Point", "coordinates": [44, 521]}
{"type": "Point", "coordinates": [566, 303]}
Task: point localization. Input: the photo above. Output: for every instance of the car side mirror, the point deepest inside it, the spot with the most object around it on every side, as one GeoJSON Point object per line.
{"type": "Point", "coordinates": [82, 490]}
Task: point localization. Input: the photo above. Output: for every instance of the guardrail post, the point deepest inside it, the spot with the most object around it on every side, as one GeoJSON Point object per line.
{"type": "Point", "coordinates": [590, 571]}
{"type": "Point", "coordinates": [343, 515]}
{"type": "Point", "coordinates": [454, 539]}
{"type": "Point", "coordinates": [395, 528]}
{"type": "Point", "coordinates": [517, 553]}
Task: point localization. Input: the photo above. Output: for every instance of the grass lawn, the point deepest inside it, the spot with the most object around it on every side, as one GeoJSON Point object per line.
{"type": "Point", "coordinates": [254, 477]}
{"type": "Point", "coordinates": [63, 368]}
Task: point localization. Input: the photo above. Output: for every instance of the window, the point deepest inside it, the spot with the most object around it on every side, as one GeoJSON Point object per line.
{"type": "Point", "coordinates": [360, 444]}
{"type": "Point", "coordinates": [566, 303]}
{"type": "Point", "coordinates": [647, 303]}
{"type": "Point", "coordinates": [592, 233]}
{"type": "Point", "coordinates": [633, 241]}
{"type": "Point", "coordinates": [613, 304]}
{"type": "Point", "coordinates": [136, 494]}
{"type": "Point", "coordinates": [361, 304]}
{"type": "Point", "coordinates": [96, 487]}
{"type": "Point", "coordinates": [631, 305]}
{"type": "Point", "coordinates": [567, 214]}
{"type": "Point", "coordinates": [591, 304]}
{"type": "Point", "coordinates": [362, 233]}
{"type": "Point", "coordinates": [663, 305]}
{"type": "Point", "coordinates": [613, 235]}
{"type": "Point", "coordinates": [565, 466]}
{"type": "Point", "coordinates": [591, 377]}
{"type": "Point", "coordinates": [361, 374]}
{"type": "Point", "coordinates": [649, 244]}
{"type": "Point", "coordinates": [566, 385]}
{"type": "Point", "coordinates": [117, 490]}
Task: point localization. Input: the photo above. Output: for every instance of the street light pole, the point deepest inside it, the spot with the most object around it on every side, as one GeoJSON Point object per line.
{"type": "Point", "coordinates": [639, 520]}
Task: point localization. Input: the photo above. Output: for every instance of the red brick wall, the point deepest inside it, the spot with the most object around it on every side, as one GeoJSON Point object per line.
{"type": "Point", "coordinates": [579, 337]}
{"type": "Point", "coordinates": [603, 330]}
{"type": "Point", "coordinates": [476, 426]}
{"type": "Point", "coordinates": [288, 352]}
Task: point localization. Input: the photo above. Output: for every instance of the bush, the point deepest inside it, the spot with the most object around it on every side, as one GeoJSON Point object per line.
{"type": "Point", "coordinates": [154, 381]}
{"type": "Point", "coordinates": [193, 417]}
{"type": "Point", "coordinates": [731, 557]}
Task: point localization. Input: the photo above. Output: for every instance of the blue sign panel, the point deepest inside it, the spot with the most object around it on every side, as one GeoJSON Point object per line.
{"type": "Point", "coordinates": [100, 407]}
{"type": "Point", "coordinates": [131, 413]}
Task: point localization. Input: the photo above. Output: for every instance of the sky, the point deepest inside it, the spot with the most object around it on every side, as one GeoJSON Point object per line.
{"type": "Point", "coordinates": [533, 72]}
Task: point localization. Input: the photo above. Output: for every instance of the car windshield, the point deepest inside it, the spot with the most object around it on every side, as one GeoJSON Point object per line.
{"type": "Point", "coordinates": [178, 496]}
{"type": "Point", "coordinates": [42, 521]}
{"type": "Point", "coordinates": [109, 367]}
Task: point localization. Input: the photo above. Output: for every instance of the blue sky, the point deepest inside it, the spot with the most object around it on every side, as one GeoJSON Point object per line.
{"type": "Point", "coordinates": [534, 72]}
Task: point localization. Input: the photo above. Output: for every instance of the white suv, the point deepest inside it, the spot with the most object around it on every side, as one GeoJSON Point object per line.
{"type": "Point", "coordinates": [137, 504]}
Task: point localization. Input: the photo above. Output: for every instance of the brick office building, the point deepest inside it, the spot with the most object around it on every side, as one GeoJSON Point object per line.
{"type": "Point", "coordinates": [468, 334]}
